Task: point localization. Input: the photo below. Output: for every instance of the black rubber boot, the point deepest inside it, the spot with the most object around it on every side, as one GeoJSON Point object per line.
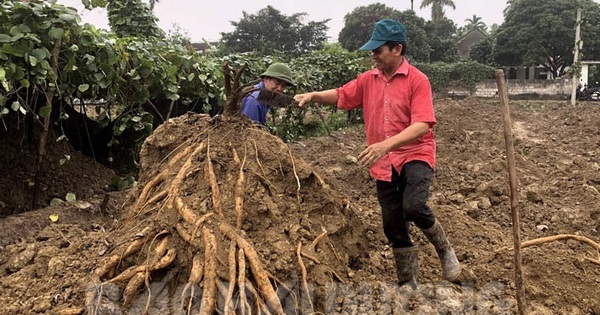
{"type": "Point", "coordinates": [407, 265]}
{"type": "Point", "coordinates": [450, 264]}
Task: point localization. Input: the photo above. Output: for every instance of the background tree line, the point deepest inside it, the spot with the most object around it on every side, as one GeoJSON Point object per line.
{"type": "Point", "coordinates": [137, 76]}
{"type": "Point", "coordinates": [532, 33]}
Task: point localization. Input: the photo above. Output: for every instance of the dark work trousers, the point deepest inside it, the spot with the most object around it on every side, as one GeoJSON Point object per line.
{"type": "Point", "coordinates": [404, 200]}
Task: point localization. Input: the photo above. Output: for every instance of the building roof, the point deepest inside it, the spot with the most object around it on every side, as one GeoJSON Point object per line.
{"type": "Point", "coordinates": [467, 41]}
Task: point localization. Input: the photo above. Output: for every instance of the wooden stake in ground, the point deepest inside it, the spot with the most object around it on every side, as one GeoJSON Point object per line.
{"type": "Point", "coordinates": [512, 176]}
{"type": "Point", "coordinates": [578, 45]}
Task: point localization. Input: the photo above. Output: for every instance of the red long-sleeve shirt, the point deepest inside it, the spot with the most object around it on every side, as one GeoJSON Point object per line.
{"type": "Point", "coordinates": [390, 107]}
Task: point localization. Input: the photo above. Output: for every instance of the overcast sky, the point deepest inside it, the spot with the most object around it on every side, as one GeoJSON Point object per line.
{"type": "Point", "coordinates": [207, 19]}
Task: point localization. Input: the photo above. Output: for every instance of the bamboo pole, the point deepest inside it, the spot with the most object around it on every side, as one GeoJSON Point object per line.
{"type": "Point", "coordinates": [578, 44]}
{"type": "Point", "coordinates": [512, 176]}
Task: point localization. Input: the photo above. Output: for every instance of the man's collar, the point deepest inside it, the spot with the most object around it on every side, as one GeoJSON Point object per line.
{"type": "Point", "coordinates": [402, 69]}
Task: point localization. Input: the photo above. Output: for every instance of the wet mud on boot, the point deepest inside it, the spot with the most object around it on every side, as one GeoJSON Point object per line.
{"type": "Point", "coordinates": [450, 265]}
{"type": "Point", "coordinates": [407, 266]}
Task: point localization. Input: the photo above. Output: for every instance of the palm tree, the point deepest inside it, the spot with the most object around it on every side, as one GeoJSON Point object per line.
{"type": "Point", "coordinates": [437, 8]}
{"type": "Point", "coordinates": [475, 22]}
{"type": "Point", "coordinates": [461, 31]}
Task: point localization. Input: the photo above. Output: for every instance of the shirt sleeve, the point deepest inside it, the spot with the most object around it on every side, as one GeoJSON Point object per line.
{"type": "Point", "coordinates": [255, 110]}
{"type": "Point", "coordinates": [422, 101]}
{"type": "Point", "coordinates": [350, 95]}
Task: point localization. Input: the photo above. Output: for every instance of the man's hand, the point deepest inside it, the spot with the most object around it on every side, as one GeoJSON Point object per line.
{"type": "Point", "coordinates": [372, 154]}
{"type": "Point", "coordinates": [321, 97]}
{"type": "Point", "coordinates": [303, 99]}
{"type": "Point", "coordinates": [376, 151]}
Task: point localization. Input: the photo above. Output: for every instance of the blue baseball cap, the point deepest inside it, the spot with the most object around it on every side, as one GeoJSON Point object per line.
{"type": "Point", "coordinates": [385, 30]}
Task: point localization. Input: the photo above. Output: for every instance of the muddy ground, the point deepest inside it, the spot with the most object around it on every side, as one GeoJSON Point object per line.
{"type": "Point", "coordinates": [44, 265]}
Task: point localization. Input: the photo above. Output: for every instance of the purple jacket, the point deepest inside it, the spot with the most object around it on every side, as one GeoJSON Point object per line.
{"type": "Point", "coordinates": [254, 109]}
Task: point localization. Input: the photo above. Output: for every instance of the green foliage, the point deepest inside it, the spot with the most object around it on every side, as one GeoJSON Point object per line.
{"type": "Point", "coordinates": [178, 35]}
{"type": "Point", "coordinates": [483, 52]}
{"type": "Point", "coordinates": [437, 8]}
{"type": "Point", "coordinates": [256, 63]}
{"type": "Point", "coordinates": [291, 126]}
{"type": "Point", "coordinates": [419, 46]}
{"type": "Point", "coordinates": [269, 32]}
{"type": "Point", "coordinates": [138, 122]}
{"type": "Point", "coordinates": [439, 74]}
{"type": "Point", "coordinates": [594, 76]}
{"type": "Point", "coordinates": [28, 32]}
{"type": "Point", "coordinates": [132, 18]}
{"type": "Point", "coordinates": [535, 32]}
{"type": "Point", "coordinates": [530, 105]}
{"type": "Point", "coordinates": [475, 22]}
{"type": "Point", "coordinates": [132, 75]}
{"type": "Point", "coordinates": [120, 184]}
{"type": "Point", "coordinates": [440, 37]}
{"type": "Point", "coordinates": [69, 197]}
{"type": "Point", "coordinates": [358, 26]}
{"type": "Point", "coordinates": [90, 4]}
{"type": "Point", "coordinates": [297, 124]}
{"type": "Point", "coordinates": [328, 68]}
{"type": "Point", "coordinates": [467, 74]}
{"type": "Point", "coordinates": [575, 69]}
{"type": "Point", "coordinates": [56, 202]}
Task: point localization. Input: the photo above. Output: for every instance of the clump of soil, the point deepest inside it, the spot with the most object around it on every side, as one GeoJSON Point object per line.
{"type": "Point", "coordinates": [65, 170]}
{"type": "Point", "coordinates": [293, 195]}
{"type": "Point", "coordinates": [240, 186]}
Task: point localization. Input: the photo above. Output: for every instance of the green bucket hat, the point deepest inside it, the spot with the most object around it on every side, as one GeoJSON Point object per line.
{"type": "Point", "coordinates": [386, 30]}
{"type": "Point", "coordinates": [279, 71]}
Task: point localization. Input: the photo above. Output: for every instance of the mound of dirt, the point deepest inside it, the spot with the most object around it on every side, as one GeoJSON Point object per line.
{"type": "Point", "coordinates": [215, 196]}
{"type": "Point", "coordinates": [293, 193]}
{"type": "Point", "coordinates": [65, 171]}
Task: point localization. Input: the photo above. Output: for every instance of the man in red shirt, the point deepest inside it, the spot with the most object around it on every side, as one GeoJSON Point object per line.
{"type": "Point", "coordinates": [398, 112]}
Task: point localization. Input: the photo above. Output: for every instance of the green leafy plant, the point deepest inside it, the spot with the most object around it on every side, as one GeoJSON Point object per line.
{"type": "Point", "coordinates": [69, 197]}
{"type": "Point", "coordinates": [464, 74]}
{"type": "Point", "coordinates": [119, 184]}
